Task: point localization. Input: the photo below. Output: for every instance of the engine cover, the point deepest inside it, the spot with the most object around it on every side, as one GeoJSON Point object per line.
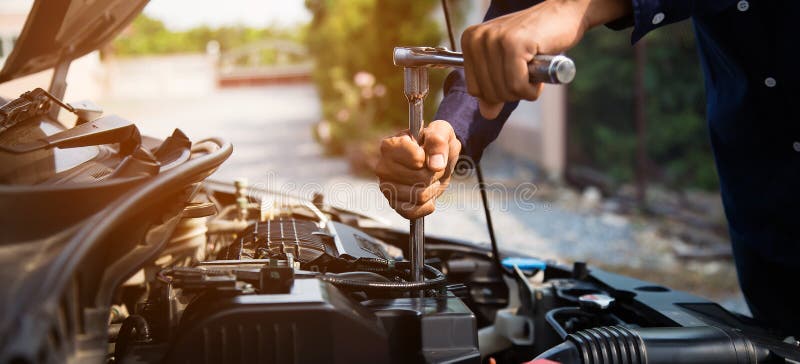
{"type": "Point", "coordinates": [254, 306]}
{"type": "Point", "coordinates": [316, 322]}
{"type": "Point", "coordinates": [313, 324]}
{"type": "Point", "coordinates": [313, 246]}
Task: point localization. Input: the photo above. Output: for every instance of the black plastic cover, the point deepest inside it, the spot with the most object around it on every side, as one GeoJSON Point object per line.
{"type": "Point", "coordinates": [314, 323]}
{"type": "Point", "coordinates": [314, 247]}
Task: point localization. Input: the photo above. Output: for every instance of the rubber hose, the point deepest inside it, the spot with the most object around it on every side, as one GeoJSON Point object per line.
{"type": "Point", "coordinates": [373, 263]}
{"type": "Point", "coordinates": [658, 345]}
{"type": "Point", "coordinates": [134, 323]}
{"type": "Point", "coordinates": [437, 280]}
{"type": "Point", "coordinates": [362, 276]}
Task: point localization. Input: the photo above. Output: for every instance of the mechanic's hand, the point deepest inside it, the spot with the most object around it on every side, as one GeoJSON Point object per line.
{"type": "Point", "coordinates": [497, 53]}
{"type": "Point", "coordinates": [413, 176]}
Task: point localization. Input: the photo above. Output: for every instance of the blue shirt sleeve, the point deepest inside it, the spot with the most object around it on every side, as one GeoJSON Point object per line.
{"type": "Point", "coordinates": [461, 110]}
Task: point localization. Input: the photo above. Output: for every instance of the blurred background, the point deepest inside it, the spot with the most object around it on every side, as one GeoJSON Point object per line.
{"type": "Point", "coordinates": [614, 169]}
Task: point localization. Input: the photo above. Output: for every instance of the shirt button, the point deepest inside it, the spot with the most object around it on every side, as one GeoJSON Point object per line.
{"type": "Point", "coordinates": [743, 5]}
{"type": "Point", "coordinates": [658, 18]}
{"type": "Point", "coordinates": [796, 146]}
{"type": "Point", "coordinates": [770, 82]}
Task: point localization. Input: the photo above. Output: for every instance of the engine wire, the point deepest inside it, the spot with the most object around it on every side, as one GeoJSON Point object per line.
{"type": "Point", "coordinates": [489, 226]}
{"type": "Point", "coordinates": [446, 10]}
{"type": "Point", "coordinates": [478, 172]}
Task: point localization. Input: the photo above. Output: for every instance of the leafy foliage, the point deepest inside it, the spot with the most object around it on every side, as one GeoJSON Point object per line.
{"type": "Point", "coordinates": [147, 36]}
{"type": "Point", "coordinates": [351, 36]}
{"type": "Point", "coordinates": [601, 131]}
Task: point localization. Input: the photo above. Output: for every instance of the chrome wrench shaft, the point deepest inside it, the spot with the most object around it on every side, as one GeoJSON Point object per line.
{"type": "Point", "coordinates": [556, 69]}
{"type": "Point", "coordinates": [416, 89]}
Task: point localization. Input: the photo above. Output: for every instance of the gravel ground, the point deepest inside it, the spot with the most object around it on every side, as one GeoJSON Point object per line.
{"type": "Point", "coordinates": [270, 128]}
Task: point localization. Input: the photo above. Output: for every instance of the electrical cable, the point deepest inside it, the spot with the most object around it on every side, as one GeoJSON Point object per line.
{"type": "Point", "coordinates": [437, 280]}
{"type": "Point", "coordinates": [135, 329]}
{"type": "Point", "coordinates": [489, 226]}
{"type": "Point", "coordinates": [478, 172]}
{"type": "Point", "coordinates": [446, 10]}
{"type": "Point", "coordinates": [550, 317]}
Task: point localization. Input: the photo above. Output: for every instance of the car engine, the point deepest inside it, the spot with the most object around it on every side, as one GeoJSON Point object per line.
{"type": "Point", "coordinates": [292, 285]}
{"type": "Point", "coordinates": [291, 282]}
{"type": "Point", "coordinates": [119, 248]}
{"type": "Point", "coordinates": [167, 266]}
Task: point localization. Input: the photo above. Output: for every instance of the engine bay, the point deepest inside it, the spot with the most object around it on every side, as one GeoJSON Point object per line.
{"type": "Point", "coordinates": [119, 248]}
{"type": "Point", "coordinates": [293, 282]}
{"type": "Point", "coordinates": [289, 284]}
{"type": "Point", "coordinates": [166, 265]}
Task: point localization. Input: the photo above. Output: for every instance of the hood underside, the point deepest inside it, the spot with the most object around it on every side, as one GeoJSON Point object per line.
{"type": "Point", "coordinates": [59, 30]}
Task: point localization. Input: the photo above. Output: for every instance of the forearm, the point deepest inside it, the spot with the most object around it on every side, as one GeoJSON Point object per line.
{"type": "Point", "coordinates": [461, 110]}
{"type": "Point", "coordinates": [600, 12]}
{"type": "Point", "coordinates": [594, 12]}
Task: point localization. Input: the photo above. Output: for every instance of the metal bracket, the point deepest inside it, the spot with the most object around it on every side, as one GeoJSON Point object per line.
{"type": "Point", "coordinates": [58, 84]}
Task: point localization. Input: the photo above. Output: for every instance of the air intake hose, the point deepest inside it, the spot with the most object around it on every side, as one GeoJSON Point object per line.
{"type": "Point", "coordinates": [673, 345]}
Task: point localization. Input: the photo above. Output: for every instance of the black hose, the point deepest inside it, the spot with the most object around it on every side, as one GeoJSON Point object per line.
{"type": "Point", "coordinates": [446, 10]}
{"type": "Point", "coordinates": [436, 280]}
{"type": "Point", "coordinates": [481, 183]}
{"type": "Point", "coordinates": [361, 276]}
{"type": "Point", "coordinates": [192, 171]}
{"type": "Point", "coordinates": [550, 317]}
{"type": "Point", "coordinates": [374, 263]}
{"type": "Point", "coordinates": [662, 345]}
{"type": "Point", "coordinates": [489, 226]}
{"type": "Point", "coordinates": [135, 328]}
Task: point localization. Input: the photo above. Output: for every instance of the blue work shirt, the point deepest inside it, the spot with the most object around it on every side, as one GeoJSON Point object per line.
{"type": "Point", "coordinates": [750, 62]}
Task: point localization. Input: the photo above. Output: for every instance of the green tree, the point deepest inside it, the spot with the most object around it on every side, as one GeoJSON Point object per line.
{"type": "Point", "coordinates": [145, 36]}
{"type": "Point", "coordinates": [601, 128]}
{"type": "Point", "coordinates": [148, 36]}
{"type": "Point", "coordinates": [350, 36]}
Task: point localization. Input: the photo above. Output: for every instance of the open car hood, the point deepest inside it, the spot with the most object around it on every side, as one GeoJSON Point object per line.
{"type": "Point", "coordinates": [66, 29]}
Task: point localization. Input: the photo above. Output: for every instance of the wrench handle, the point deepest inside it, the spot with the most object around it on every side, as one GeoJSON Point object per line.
{"type": "Point", "coordinates": [416, 61]}
{"type": "Point", "coordinates": [556, 69]}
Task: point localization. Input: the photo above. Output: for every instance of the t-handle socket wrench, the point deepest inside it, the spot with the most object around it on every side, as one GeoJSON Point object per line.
{"type": "Point", "coordinates": [415, 61]}
{"type": "Point", "coordinates": [557, 69]}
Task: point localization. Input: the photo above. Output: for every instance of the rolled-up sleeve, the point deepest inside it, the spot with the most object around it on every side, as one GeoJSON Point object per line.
{"type": "Point", "coordinates": [461, 110]}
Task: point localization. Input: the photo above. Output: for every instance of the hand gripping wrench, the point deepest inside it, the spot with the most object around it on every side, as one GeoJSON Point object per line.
{"type": "Point", "coordinates": [415, 61]}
